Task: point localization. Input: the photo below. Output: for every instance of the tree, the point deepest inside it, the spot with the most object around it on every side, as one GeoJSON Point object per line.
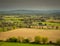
{"type": "Point", "coordinates": [50, 42]}
{"type": "Point", "coordinates": [44, 40]}
{"type": "Point", "coordinates": [12, 39]}
{"type": "Point", "coordinates": [37, 39]}
{"type": "Point", "coordinates": [26, 41]}
{"type": "Point", "coordinates": [1, 40]}
{"type": "Point", "coordinates": [40, 24]}
{"type": "Point", "coordinates": [58, 42]}
{"type": "Point", "coordinates": [43, 20]}
{"type": "Point", "coordinates": [19, 39]}
{"type": "Point", "coordinates": [57, 27]}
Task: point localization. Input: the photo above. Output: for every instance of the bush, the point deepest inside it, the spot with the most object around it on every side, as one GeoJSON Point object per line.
{"type": "Point", "coordinates": [1, 40]}
{"type": "Point", "coordinates": [50, 42]}
{"type": "Point", "coordinates": [58, 42]}
{"type": "Point", "coordinates": [19, 39]}
{"type": "Point", "coordinates": [12, 39]}
{"type": "Point", "coordinates": [37, 40]}
{"type": "Point", "coordinates": [26, 40]}
{"type": "Point", "coordinates": [44, 40]}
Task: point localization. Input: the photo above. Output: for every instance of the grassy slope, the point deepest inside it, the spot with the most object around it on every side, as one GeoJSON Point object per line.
{"type": "Point", "coordinates": [20, 44]}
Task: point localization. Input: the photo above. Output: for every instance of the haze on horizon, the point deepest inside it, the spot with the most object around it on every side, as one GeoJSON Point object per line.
{"type": "Point", "coordinates": [29, 5]}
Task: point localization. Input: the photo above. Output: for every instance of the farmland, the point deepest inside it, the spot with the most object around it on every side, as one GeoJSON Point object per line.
{"type": "Point", "coordinates": [29, 33]}
{"type": "Point", "coordinates": [29, 26]}
{"type": "Point", "coordinates": [10, 22]}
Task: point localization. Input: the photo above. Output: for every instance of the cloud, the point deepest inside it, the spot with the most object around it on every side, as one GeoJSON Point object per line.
{"type": "Point", "coordinates": [29, 4]}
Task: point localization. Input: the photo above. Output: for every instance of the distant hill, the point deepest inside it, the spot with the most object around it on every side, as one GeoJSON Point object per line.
{"type": "Point", "coordinates": [56, 12]}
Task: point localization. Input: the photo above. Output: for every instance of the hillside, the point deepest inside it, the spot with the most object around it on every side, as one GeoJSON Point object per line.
{"type": "Point", "coordinates": [52, 35]}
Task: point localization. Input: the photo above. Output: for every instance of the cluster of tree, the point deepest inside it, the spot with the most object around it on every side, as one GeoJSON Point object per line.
{"type": "Point", "coordinates": [37, 40]}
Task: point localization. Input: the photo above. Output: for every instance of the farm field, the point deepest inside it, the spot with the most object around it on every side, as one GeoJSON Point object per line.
{"type": "Point", "coordinates": [20, 44]}
{"type": "Point", "coordinates": [10, 22]}
{"type": "Point", "coordinates": [29, 23]}
{"type": "Point", "coordinates": [22, 27]}
{"type": "Point", "coordinates": [52, 35]}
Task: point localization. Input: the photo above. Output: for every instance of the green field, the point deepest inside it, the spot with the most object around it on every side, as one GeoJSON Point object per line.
{"type": "Point", "coordinates": [10, 22]}
{"type": "Point", "coordinates": [20, 44]}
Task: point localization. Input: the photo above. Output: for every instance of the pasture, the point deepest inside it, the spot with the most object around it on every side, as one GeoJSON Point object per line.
{"type": "Point", "coordinates": [20, 44]}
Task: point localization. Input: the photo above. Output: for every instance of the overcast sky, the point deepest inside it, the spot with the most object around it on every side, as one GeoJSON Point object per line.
{"type": "Point", "coordinates": [29, 4]}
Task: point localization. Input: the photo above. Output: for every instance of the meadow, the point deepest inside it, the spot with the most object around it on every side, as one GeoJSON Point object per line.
{"type": "Point", "coordinates": [20, 44]}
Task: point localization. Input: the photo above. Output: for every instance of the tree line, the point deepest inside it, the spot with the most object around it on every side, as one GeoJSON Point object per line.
{"type": "Point", "coordinates": [37, 40]}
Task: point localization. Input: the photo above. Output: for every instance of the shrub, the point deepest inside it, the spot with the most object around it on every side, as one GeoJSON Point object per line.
{"type": "Point", "coordinates": [12, 39]}
{"type": "Point", "coordinates": [1, 40]}
{"type": "Point", "coordinates": [58, 42]}
{"type": "Point", "coordinates": [19, 39]}
{"type": "Point", "coordinates": [44, 40]}
{"type": "Point", "coordinates": [50, 42]}
{"type": "Point", "coordinates": [37, 40]}
{"type": "Point", "coordinates": [26, 40]}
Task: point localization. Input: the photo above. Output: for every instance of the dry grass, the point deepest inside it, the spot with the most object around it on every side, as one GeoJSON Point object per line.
{"type": "Point", "coordinates": [31, 33]}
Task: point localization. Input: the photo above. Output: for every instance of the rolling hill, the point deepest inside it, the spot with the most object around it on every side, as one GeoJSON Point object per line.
{"type": "Point", "coordinates": [31, 12]}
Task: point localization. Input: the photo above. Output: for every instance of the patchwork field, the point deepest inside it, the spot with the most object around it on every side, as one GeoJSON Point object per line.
{"type": "Point", "coordinates": [52, 35]}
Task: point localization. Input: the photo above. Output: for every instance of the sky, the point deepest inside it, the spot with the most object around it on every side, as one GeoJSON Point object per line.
{"type": "Point", "coordinates": [29, 5]}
